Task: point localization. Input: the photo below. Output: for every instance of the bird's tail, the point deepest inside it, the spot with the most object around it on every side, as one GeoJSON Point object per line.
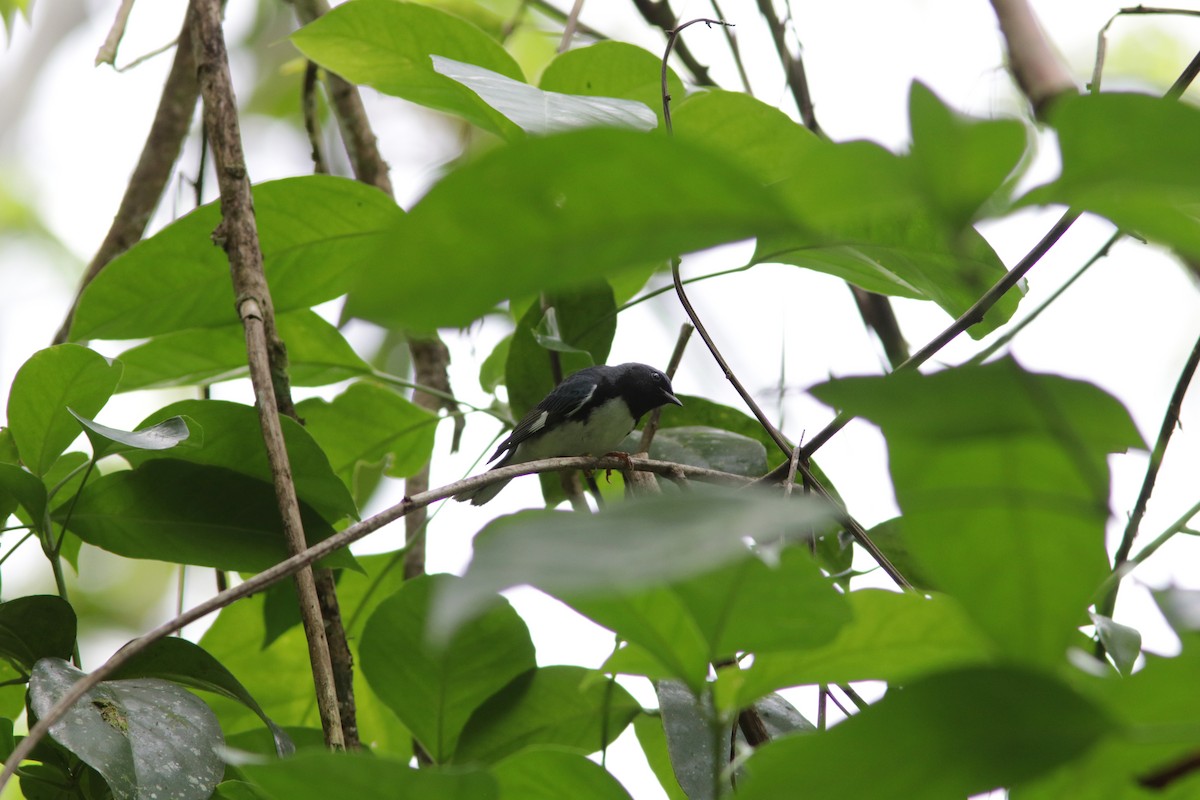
{"type": "Point", "coordinates": [481, 495]}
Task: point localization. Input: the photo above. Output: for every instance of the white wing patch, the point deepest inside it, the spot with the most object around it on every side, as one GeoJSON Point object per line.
{"type": "Point", "coordinates": [579, 406]}
{"type": "Point", "coordinates": [539, 423]}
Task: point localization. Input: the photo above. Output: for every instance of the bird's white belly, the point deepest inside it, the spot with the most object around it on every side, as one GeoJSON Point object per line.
{"type": "Point", "coordinates": [606, 428]}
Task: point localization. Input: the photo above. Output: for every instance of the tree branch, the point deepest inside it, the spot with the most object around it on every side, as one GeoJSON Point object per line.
{"type": "Point", "coordinates": [238, 235]}
{"type": "Point", "coordinates": [659, 14]}
{"type": "Point", "coordinates": [793, 67]}
{"type": "Point", "coordinates": [155, 165]}
{"type": "Point", "coordinates": [1037, 68]}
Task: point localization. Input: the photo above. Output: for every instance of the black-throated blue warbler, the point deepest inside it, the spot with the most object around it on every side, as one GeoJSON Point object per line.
{"type": "Point", "coordinates": [589, 413]}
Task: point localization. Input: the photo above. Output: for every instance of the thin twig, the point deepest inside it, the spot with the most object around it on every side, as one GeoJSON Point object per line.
{"type": "Point", "coordinates": [107, 54]}
{"type": "Point", "coordinates": [1169, 423]}
{"type": "Point", "coordinates": [659, 14]}
{"type": "Point", "coordinates": [685, 334]}
{"type": "Point", "coordinates": [570, 26]}
{"type": "Point", "coordinates": [735, 51]}
{"type": "Point", "coordinates": [793, 67]}
{"type": "Point", "coordinates": [153, 171]}
{"type": "Point", "coordinates": [1102, 36]}
{"type": "Point", "coordinates": [672, 37]}
{"type": "Point", "coordinates": [238, 235]}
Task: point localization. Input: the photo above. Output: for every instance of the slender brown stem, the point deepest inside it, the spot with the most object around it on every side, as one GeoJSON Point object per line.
{"type": "Point", "coordinates": [659, 14]}
{"type": "Point", "coordinates": [238, 235]}
{"type": "Point", "coordinates": [155, 165]}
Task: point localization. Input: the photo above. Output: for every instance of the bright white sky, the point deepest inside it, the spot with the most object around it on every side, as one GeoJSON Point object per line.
{"type": "Point", "coordinates": [1127, 325]}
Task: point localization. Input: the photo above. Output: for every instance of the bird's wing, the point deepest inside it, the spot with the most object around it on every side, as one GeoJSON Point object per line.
{"type": "Point", "coordinates": [563, 403]}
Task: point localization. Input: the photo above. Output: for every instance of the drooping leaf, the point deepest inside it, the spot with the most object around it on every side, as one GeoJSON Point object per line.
{"type": "Point", "coordinates": [52, 380]}
{"type": "Point", "coordinates": [1134, 159]}
{"type": "Point", "coordinates": [176, 659]}
{"type": "Point", "coordinates": [696, 740]}
{"type": "Point", "coordinates": [317, 355]}
{"type": "Point", "coordinates": [564, 707]}
{"type": "Point", "coordinates": [36, 627]}
{"type": "Point", "coordinates": [1122, 642]}
{"type": "Point", "coordinates": [150, 739]}
{"type": "Point", "coordinates": [368, 423]}
{"type": "Point", "coordinates": [633, 545]}
{"type": "Point", "coordinates": [1000, 473]}
{"type": "Point", "coordinates": [954, 734]}
{"type": "Point", "coordinates": [552, 775]}
{"type": "Point", "coordinates": [434, 688]}
{"type": "Point", "coordinates": [653, 739]}
{"type": "Point", "coordinates": [554, 212]}
{"type": "Point", "coordinates": [312, 229]}
{"type": "Point", "coordinates": [186, 513]}
{"type": "Point", "coordinates": [321, 775]}
{"type": "Point", "coordinates": [162, 436]}
{"type": "Point", "coordinates": [611, 69]}
{"type": "Point", "coordinates": [232, 439]}
{"type": "Point", "coordinates": [540, 112]}
{"type": "Point", "coordinates": [388, 46]}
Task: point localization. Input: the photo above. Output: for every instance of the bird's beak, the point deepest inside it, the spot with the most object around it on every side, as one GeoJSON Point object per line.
{"type": "Point", "coordinates": [673, 399]}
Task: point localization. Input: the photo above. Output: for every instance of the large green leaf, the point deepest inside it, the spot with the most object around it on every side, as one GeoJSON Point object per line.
{"type": "Point", "coordinates": [629, 546]}
{"type": "Point", "coordinates": [611, 69]}
{"type": "Point", "coordinates": [653, 740]}
{"type": "Point", "coordinates": [51, 381]}
{"type": "Point", "coordinates": [564, 707]}
{"type": "Point", "coordinates": [553, 212]}
{"type": "Point", "coordinates": [1134, 159]}
{"type": "Point", "coordinates": [388, 45]}
{"type": "Point", "coordinates": [540, 112]}
{"type": "Point", "coordinates": [186, 513]}
{"type": "Point", "coordinates": [945, 736]}
{"type": "Point", "coordinates": [1002, 478]}
{"type": "Point", "coordinates": [322, 775]}
{"type": "Point", "coordinates": [554, 775]}
{"type": "Point", "coordinates": [20, 488]}
{"type": "Point", "coordinates": [368, 423]}
{"type": "Point", "coordinates": [36, 627]}
{"type": "Point", "coordinates": [232, 439]}
{"type": "Point", "coordinates": [434, 688]}
{"type": "Point", "coordinates": [312, 229]}
{"type": "Point", "coordinates": [317, 355]}
{"type": "Point", "coordinates": [150, 739]}
{"type": "Point", "coordinates": [697, 740]}
{"type": "Point", "coordinates": [890, 637]}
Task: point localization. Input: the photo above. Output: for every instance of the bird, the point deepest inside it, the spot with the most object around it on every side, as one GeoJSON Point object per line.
{"type": "Point", "coordinates": [589, 413]}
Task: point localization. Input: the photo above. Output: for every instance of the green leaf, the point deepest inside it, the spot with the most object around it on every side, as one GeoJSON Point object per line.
{"type": "Point", "coordinates": [960, 162]}
{"type": "Point", "coordinates": [697, 740]}
{"type": "Point", "coordinates": [611, 69]}
{"type": "Point", "coordinates": [564, 707]}
{"type": "Point", "coordinates": [435, 689]}
{"type": "Point", "coordinates": [388, 45]}
{"type": "Point", "coordinates": [653, 739]}
{"type": "Point", "coordinates": [20, 488]}
{"type": "Point", "coordinates": [492, 370]}
{"type": "Point", "coordinates": [634, 545]}
{"type": "Point", "coordinates": [317, 355]}
{"type": "Point", "coordinates": [758, 136]}
{"type": "Point", "coordinates": [312, 230]}
{"type": "Point", "coordinates": [1131, 158]}
{"type": "Point", "coordinates": [955, 734]}
{"type": "Point", "coordinates": [45, 385]}
{"type": "Point", "coordinates": [321, 775]}
{"type": "Point", "coordinates": [163, 436]}
{"type": "Point", "coordinates": [187, 513]}
{"type": "Point", "coordinates": [150, 739]}
{"type": "Point", "coordinates": [540, 112]}
{"type": "Point", "coordinates": [572, 208]}
{"type": "Point", "coordinates": [1008, 477]}
{"type": "Point", "coordinates": [891, 637]}
{"type": "Point", "coordinates": [36, 627]}
{"type": "Point", "coordinates": [183, 662]}
{"type": "Point", "coordinates": [554, 775]}
{"type": "Point", "coordinates": [368, 423]}
{"type": "Point", "coordinates": [232, 439]}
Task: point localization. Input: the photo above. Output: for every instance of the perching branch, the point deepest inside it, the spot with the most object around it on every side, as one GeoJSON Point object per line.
{"type": "Point", "coordinates": [238, 235]}
{"type": "Point", "coordinates": [153, 170]}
